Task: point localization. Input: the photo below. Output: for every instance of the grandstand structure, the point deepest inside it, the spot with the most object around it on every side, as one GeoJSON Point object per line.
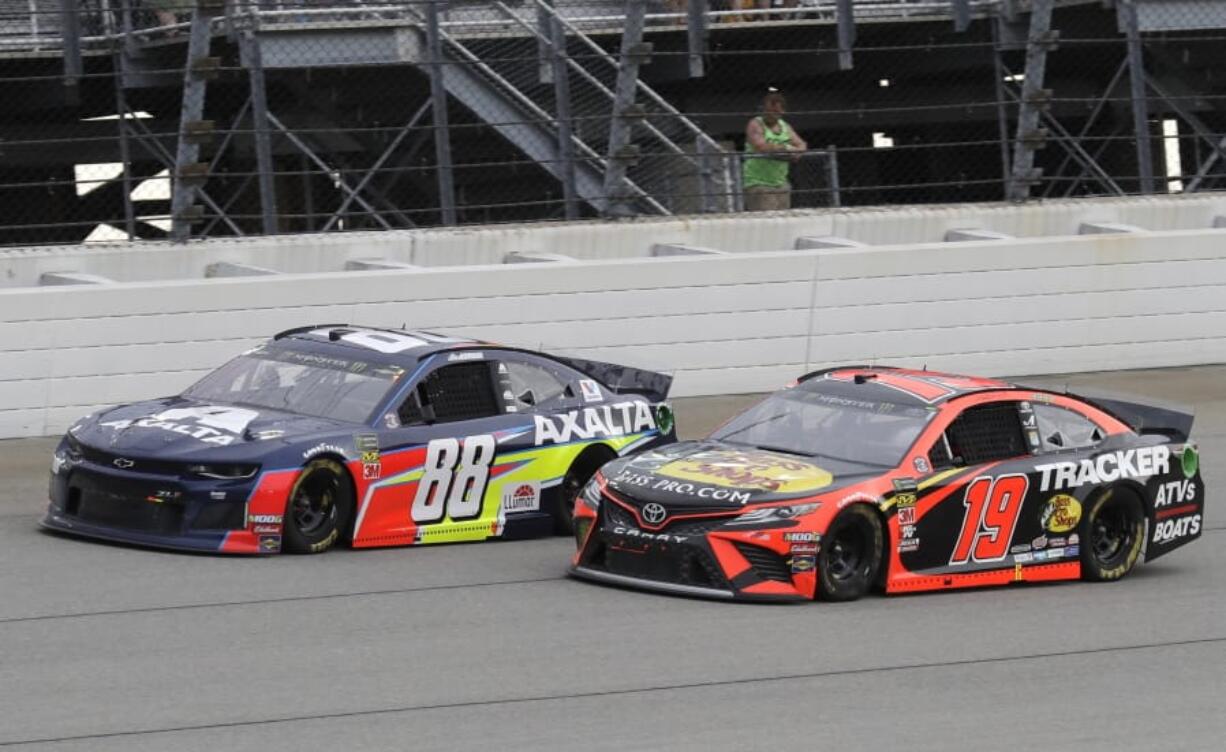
{"type": "Point", "coordinates": [284, 116]}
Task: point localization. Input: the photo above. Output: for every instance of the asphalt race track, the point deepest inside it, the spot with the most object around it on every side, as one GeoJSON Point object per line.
{"type": "Point", "coordinates": [490, 647]}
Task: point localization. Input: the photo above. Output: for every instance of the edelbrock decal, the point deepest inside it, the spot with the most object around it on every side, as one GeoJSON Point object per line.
{"type": "Point", "coordinates": [617, 419]}
{"type": "Point", "coordinates": [1123, 463]}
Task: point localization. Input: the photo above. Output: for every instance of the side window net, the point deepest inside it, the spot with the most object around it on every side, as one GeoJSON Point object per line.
{"type": "Point", "coordinates": [456, 392]}
{"type": "Point", "coordinates": [987, 432]}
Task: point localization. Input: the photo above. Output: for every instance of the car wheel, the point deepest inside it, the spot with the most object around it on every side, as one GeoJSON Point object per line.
{"type": "Point", "coordinates": [581, 471]}
{"type": "Point", "coordinates": [850, 554]}
{"type": "Point", "coordinates": [319, 507]}
{"type": "Point", "coordinates": [1111, 536]}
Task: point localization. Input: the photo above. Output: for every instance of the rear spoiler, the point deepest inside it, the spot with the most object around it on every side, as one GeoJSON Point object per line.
{"type": "Point", "coordinates": [1167, 418]}
{"type": "Point", "coordinates": [623, 379]}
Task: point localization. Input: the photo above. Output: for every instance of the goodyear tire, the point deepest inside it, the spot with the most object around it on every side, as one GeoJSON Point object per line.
{"type": "Point", "coordinates": [581, 471]}
{"type": "Point", "coordinates": [850, 554]}
{"type": "Point", "coordinates": [1112, 532]}
{"type": "Point", "coordinates": [319, 508]}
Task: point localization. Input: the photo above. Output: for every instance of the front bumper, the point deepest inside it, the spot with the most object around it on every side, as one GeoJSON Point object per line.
{"type": "Point", "coordinates": [698, 558]}
{"type": "Point", "coordinates": [163, 510]}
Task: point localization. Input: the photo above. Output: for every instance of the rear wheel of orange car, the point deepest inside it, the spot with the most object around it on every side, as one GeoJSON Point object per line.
{"type": "Point", "coordinates": [319, 507]}
{"type": "Point", "coordinates": [1112, 532]}
{"type": "Point", "coordinates": [850, 554]}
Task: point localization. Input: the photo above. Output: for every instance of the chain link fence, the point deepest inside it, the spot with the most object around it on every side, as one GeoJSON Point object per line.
{"type": "Point", "coordinates": [153, 119]}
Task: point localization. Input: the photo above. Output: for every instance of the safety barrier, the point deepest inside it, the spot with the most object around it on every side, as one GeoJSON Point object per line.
{"type": "Point", "coordinates": [728, 305]}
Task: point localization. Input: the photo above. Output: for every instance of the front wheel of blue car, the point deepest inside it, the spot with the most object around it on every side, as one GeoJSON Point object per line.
{"type": "Point", "coordinates": [319, 507]}
{"type": "Point", "coordinates": [850, 554]}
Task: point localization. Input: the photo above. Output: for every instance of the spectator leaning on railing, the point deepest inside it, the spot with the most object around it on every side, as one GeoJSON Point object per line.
{"type": "Point", "coordinates": [770, 147]}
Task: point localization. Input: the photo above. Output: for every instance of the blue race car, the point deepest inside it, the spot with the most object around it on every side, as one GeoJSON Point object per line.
{"type": "Point", "coordinates": [370, 437]}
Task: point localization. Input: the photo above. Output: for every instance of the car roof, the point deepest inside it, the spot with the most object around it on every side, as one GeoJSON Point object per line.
{"type": "Point", "coordinates": [899, 385]}
{"type": "Point", "coordinates": [375, 343]}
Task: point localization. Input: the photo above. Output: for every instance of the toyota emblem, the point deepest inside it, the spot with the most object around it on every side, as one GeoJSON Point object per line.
{"type": "Point", "coordinates": [654, 513]}
{"type": "Point", "coordinates": [123, 463]}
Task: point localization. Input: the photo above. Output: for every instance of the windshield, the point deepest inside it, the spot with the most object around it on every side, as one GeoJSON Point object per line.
{"type": "Point", "coordinates": [811, 423]}
{"type": "Point", "coordinates": [300, 382]}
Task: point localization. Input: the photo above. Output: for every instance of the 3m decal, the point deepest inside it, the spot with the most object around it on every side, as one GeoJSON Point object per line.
{"type": "Point", "coordinates": [906, 515]}
{"type": "Point", "coordinates": [454, 479]}
{"type": "Point", "coordinates": [1060, 514]}
{"type": "Point", "coordinates": [992, 507]}
{"type": "Point", "coordinates": [1122, 463]}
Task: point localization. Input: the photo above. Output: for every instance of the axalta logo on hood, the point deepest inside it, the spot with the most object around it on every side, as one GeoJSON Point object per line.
{"type": "Point", "coordinates": [751, 470]}
{"type": "Point", "coordinates": [211, 424]}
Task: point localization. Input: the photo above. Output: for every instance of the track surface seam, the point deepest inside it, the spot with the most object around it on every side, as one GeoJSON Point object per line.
{"type": "Point", "coordinates": [619, 692]}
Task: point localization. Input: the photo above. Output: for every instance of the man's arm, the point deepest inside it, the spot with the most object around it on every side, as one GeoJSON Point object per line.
{"type": "Point", "coordinates": [755, 136]}
{"type": "Point", "coordinates": [797, 143]}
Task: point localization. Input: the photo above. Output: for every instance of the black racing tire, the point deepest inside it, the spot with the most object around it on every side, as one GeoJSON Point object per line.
{"type": "Point", "coordinates": [851, 553]}
{"type": "Point", "coordinates": [319, 508]}
{"type": "Point", "coordinates": [1112, 532]}
{"type": "Point", "coordinates": [580, 472]}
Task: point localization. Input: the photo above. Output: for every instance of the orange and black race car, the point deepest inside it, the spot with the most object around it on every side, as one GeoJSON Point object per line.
{"type": "Point", "coordinates": [863, 477]}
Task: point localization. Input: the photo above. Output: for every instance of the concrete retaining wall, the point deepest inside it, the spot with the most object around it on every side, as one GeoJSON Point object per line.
{"type": "Point", "coordinates": [729, 323]}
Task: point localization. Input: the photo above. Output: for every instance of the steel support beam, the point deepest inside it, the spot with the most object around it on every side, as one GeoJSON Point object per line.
{"type": "Point", "coordinates": [962, 14]}
{"type": "Point", "coordinates": [1029, 137]}
{"type": "Point", "coordinates": [561, 94]}
{"type": "Point", "coordinates": [619, 200]}
{"type": "Point", "coordinates": [188, 152]}
{"type": "Point", "coordinates": [696, 36]}
{"type": "Point", "coordinates": [442, 133]}
{"type": "Point", "coordinates": [70, 28]}
{"type": "Point", "coordinates": [544, 50]}
{"type": "Point", "coordinates": [125, 150]}
{"type": "Point", "coordinates": [1140, 107]}
{"type": "Point", "coordinates": [374, 169]}
{"type": "Point", "coordinates": [846, 32]}
{"type": "Point", "coordinates": [1002, 114]}
{"type": "Point", "coordinates": [147, 139]}
{"type": "Point", "coordinates": [259, 123]}
{"type": "Point", "coordinates": [1093, 118]}
{"type": "Point", "coordinates": [321, 164]}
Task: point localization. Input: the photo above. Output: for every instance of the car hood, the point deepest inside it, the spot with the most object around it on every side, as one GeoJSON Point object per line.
{"type": "Point", "coordinates": [175, 427]}
{"type": "Point", "coordinates": [714, 475]}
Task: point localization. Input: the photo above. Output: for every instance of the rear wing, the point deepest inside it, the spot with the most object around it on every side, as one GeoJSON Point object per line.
{"type": "Point", "coordinates": [623, 379]}
{"type": "Point", "coordinates": [1166, 418]}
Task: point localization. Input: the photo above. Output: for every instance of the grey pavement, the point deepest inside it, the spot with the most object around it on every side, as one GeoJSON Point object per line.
{"type": "Point", "coordinates": [489, 646]}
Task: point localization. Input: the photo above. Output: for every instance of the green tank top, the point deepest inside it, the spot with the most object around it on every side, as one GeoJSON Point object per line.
{"type": "Point", "coordinates": [767, 171]}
